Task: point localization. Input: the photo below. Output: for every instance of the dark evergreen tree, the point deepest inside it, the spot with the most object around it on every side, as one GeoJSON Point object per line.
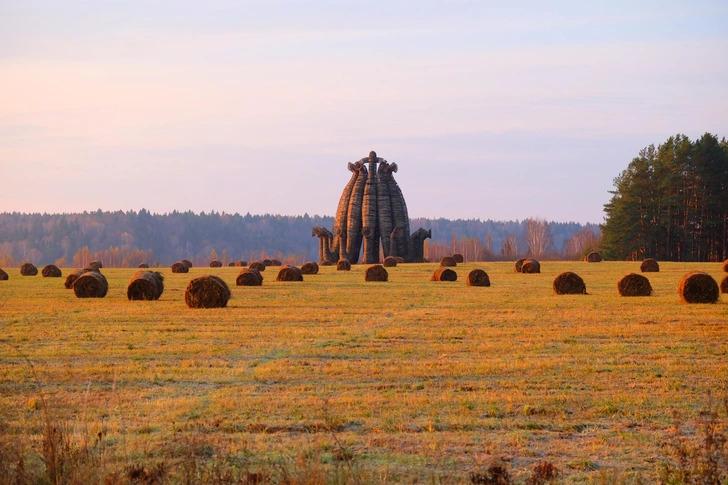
{"type": "Point", "coordinates": [671, 203]}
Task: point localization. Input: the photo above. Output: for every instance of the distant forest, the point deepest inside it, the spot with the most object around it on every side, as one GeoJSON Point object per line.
{"type": "Point", "coordinates": [671, 203]}
{"type": "Point", "coordinates": [125, 239]}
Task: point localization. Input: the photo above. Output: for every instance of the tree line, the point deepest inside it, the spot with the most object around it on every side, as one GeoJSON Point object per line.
{"type": "Point", "coordinates": [125, 239]}
{"type": "Point", "coordinates": [671, 203]}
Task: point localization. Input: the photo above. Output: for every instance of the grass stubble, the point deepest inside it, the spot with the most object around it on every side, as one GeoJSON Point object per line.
{"type": "Point", "coordinates": [403, 381]}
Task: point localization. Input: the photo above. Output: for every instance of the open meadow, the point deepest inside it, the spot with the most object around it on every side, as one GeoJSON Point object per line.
{"type": "Point", "coordinates": [405, 381]}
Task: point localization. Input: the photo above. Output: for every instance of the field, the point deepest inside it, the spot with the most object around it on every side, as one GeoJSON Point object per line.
{"type": "Point", "coordinates": [406, 381]}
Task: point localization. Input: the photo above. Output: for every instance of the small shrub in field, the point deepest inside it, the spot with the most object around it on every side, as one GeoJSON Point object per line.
{"type": "Point", "coordinates": [702, 460]}
{"type": "Point", "coordinates": [494, 474]}
{"type": "Point", "coordinates": [543, 473]}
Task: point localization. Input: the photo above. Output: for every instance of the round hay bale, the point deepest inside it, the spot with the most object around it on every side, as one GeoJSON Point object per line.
{"type": "Point", "coordinates": [459, 259]}
{"type": "Point", "coordinates": [241, 263]}
{"type": "Point", "coordinates": [649, 265]}
{"type": "Point", "coordinates": [71, 278]}
{"type": "Point", "coordinates": [478, 277]}
{"type": "Point", "coordinates": [289, 273]}
{"type": "Point", "coordinates": [257, 265]}
{"type": "Point", "coordinates": [145, 285]}
{"type": "Point", "coordinates": [448, 261]}
{"type": "Point", "coordinates": [249, 277]}
{"type": "Point", "coordinates": [444, 274]}
{"type": "Point", "coordinates": [231, 264]}
{"type": "Point", "coordinates": [28, 269]}
{"type": "Point", "coordinates": [593, 257]}
{"type": "Point", "coordinates": [275, 262]}
{"type": "Point", "coordinates": [51, 271]}
{"type": "Point", "coordinates": [186, 262]}
{"type": "Point", "coordinates": [180, 267]}
{"type": "Point", "coordinates": [91, 284]}
{"type": "Point", "coordinates": [3, 275]}
{"type": "Point", "coordinates": [143, 265]}
{"type": "Point", "coordinates": [634, 284]}
{"type": "Point", "coordinates": [519, 265]}
{"type": "Point", "coordinates": [343, 265]}
{"type": "Point", "coordinates": [399, 259]}
{"type": "Point", "coordinates": [96, 264]}
{"type": "Point", "coordinates": [326, 263]}
{"type": "Point", "coordinates": [215, 264]}
{"type": "Point", "coordinates": [389, 262]}
{"type": "Point", "coordinates": [698, 287]}
{"type": "Point", "coordinates": [569, 283]}
{"type": "Point", "coordinates": [376, 273]}
{"type": "Point", "coordinates": [725, 266]}
{"type": "Point", "coordinates": [207, 292]}
{"type": "Point", "coordinates": [723, 284]}
{"type": "Point", "coordinates": [311, 267]}
{"type": "Point", "coordinates": [530, 266]}
{"type": "Point", "coordinates": [267, 262]}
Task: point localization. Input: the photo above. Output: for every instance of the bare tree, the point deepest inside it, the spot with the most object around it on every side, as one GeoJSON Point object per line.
{"type": "Point", "coordinates": [538, 236]}
{"type": "Point", "coordinates": [510, 246]}
{"type": "Point", "coordinates": [582, 243]}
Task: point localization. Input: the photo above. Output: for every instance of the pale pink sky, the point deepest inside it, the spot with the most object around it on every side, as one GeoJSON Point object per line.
{"type": "Point", "coordinates": [490, 111]}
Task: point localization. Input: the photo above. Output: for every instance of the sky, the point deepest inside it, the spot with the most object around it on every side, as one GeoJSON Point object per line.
{"type": "Point", "coordinates": [491, 111]}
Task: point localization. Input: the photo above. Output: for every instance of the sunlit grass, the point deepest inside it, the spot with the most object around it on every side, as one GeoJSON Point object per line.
{"type": "Point", "coordinates": [418, 377]}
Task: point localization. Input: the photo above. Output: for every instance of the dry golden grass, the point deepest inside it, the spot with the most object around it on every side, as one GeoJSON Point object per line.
{"type": "Point", "coordinates": [418, 380]}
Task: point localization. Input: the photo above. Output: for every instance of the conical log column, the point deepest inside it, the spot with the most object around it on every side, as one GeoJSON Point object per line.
{"type": "Point", "coordinates": [371, 210]}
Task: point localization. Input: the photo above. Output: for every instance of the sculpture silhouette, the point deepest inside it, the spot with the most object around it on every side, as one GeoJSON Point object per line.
{"type": "Point", "coordinates": [371, 211]}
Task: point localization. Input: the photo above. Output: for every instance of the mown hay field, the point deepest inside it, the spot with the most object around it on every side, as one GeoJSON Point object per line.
{"type": "Point", "coordinates": [416, 380]}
